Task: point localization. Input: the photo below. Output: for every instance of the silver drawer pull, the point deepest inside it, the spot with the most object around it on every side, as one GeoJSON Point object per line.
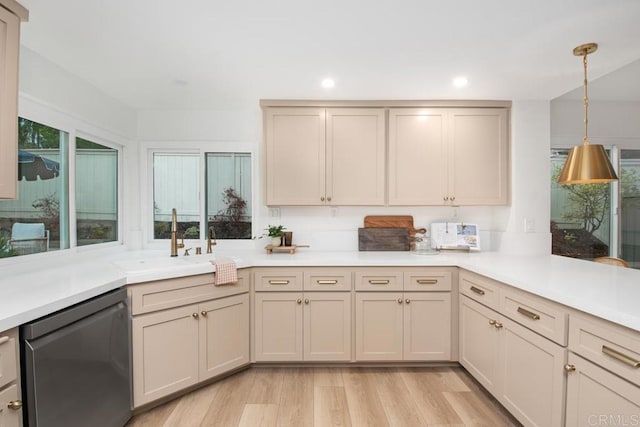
{"type": "Point", "coordinates": [278, 282]}
{"type": "Point", "coordinates": [4, 339]}
{"type": "Point", "coordinates": [620, 357]}
{"type": "Point", "coordinates": [427, 281]}
{"type": "Point", "coordinates": [529, 314]}
{"type": "Point", "coordinates": [477, 290]}
{"type": "Point", "coordinates": [327, 282]}
{"type": "Point", "coordinates": [378, 282]}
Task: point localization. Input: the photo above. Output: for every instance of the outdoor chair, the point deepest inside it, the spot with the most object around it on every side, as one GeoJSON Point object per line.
{"type": "Point", "coordinates": [29, 238]}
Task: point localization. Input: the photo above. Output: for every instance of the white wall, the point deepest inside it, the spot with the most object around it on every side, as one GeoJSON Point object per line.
{"type": "Point", "coordinates": [610, 123]}
{"type": "Point", "coordinates": [326, 228]}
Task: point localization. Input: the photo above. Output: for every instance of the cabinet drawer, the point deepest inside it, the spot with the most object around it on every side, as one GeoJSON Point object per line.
{"type": "Point", "coordinates": [479, 288]}
{"type": "Point", "coordinates": [278, 280]}
{"type": "Point", "coordinates": [379, 280]}
{"type": "Point", "coordinates": [430, 279]}
{"type": "Point", "coordinates": [8, 362]}
{"type": "Point", "coordinates": [545, 318]}
{"type": "Point", "coordinates": [327, 279]}
{"type": "Point", "coordinates": [9, 417]}
{"type": "Point", "coordinates": [163, 294]}
{"type": "Point", "coordinates": [611, 346]}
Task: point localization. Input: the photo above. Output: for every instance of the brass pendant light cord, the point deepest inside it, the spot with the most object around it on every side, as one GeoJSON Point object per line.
{"type": "Point", "coordinates": [586, 98]}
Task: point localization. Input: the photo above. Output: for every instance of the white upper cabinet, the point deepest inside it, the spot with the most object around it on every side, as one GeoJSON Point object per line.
{"type": "Point", "coordinates": [317, 156]}
{"type": "Point", "coordinates": [10, 15]}
{"type": "Point", "coordinates": [448, 156]}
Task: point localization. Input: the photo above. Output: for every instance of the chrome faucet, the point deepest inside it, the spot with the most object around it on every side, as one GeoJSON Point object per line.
{"type": "Point", "coordinates": [174, 234]}
{"type": "Point", "coordinates": [211, 235]}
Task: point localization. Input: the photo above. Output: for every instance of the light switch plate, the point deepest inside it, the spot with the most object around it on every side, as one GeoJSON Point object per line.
{"type": "Point", "coordinates": [529, 225]}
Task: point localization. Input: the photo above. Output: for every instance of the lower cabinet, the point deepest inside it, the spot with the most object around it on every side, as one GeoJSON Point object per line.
{"type": "Point", "coordinates": [179, 347]}
{"type": "Point", "coordinates": [10, 399]}
{"type": "Point", "coordinates": [403, 326]}
{"type": "Point", "coordinates": [296, 326]}
{"type": "Point", "coordinates": [596, 397]}
{"type": "Point", "coordinates": [522, 369]}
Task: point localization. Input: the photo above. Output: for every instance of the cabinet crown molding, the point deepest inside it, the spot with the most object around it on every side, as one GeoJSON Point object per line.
{"type": "Point", "coordinates": [440, 103]}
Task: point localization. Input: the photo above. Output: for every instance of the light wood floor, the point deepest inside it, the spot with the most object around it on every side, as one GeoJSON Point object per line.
{"type": "Point", "coordinates": [334, 397]}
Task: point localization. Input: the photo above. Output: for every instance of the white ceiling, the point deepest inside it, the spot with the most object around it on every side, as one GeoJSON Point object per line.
{"type": "Point", "coordinates": [193, 54]}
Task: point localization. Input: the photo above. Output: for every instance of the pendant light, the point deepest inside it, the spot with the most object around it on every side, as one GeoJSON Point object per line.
{"type": "Point", "coordinates": [588, 163]}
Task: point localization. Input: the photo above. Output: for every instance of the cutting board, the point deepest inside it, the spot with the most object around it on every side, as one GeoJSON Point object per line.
{"type": "Point", "coordinates": [392, 221]}
{"type": "Point", "coordinates": [383, 239]}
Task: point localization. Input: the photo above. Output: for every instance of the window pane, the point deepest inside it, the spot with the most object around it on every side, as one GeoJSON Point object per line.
{"type": "Point", "coordinates": [96, 193]}
{"type": "Point", "coordinates": [229, 194]}
{"type": "Point", "coordinates": [38, 220]}
{"type": "Point", "coordinates": [580, 215]}
{"type": "Point", "coordinates": [175, 185]}
{"type": "Point", "coordinates": [630, 207]}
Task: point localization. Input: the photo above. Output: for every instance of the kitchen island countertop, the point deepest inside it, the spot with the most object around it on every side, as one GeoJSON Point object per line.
{"type": "Point", "coordinates": [26, 293]}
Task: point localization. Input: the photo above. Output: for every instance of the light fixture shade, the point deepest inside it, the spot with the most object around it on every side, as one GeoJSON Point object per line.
{"type": "Point", "coordinates": [587, 164]}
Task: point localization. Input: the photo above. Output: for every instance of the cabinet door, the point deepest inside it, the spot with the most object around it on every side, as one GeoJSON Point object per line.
{"type": "Point", "coordinates": [417, 156]}
{"type": "Point", "coordinates": [532, 376]}
{"type": "Point", "coordinates": [9, 417]}
{"type": "Point", "coordinates": [327, 326]}
{"type": "Point", "coordinates": [224, 335]}
{"type": "Point", "coordinates": [278, 326]}
{"type": "Point", "coordinates": [478, 156]}
{"type": "Point", "coordinates": [596, 397]}
{"type": "Point", "coordinates": [165, 353]}
{"type": "Point", "coordinates": [427, 326]}
{"type": "Point", "coordinates": [9, 46]}
{"type": "Point", "coordinates": [479, 343]}
{"type": "Point", "coordinates": [379, 325]}
{"type": "Point", "coordinates": [355, 156]}
{"type": "Point", "coordinates": [295, 156]}
{"type": "Point", "coordinates": [8, 351]}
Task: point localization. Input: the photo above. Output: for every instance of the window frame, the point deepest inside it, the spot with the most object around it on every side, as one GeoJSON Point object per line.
{"type": "Point", "coordinates": [201, 148]}
{"type": "Point", "coordinates": [33, 110]}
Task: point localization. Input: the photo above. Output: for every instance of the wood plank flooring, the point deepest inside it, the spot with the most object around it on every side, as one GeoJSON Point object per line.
{"type": "Point", "coordinates": [334, 397]}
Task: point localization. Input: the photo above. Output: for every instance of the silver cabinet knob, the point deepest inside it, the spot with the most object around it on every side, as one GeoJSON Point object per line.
{"type": "Point", "coordinates": [498, 325]}
{"type": "Point", "coordinates": [194, 315]}
{"type": "Point", "coordinates": [399, 300]}
{"type": "Point", "coordinates": [322, 198]}
{"type": "Point", "coordinates": [306, 300]}
{"type": "Point", "coordinates": [569, 368]}
{"type": "Point", "coordinates": [492, 322]}
{"type": "Point", "coordinates": [408, 301]}
{"type": "Point", "coordinates": [204, 313]}
{"type": "Point", "coordinates": [299, 301]}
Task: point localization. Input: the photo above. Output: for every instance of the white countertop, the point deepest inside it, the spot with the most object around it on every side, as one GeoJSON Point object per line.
{"type": "Point", "coordinates": [27, 293]}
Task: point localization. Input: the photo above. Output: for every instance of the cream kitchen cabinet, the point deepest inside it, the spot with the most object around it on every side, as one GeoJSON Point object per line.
{"type": "Point", "coordinates": [10, 399]}
{"type": "Point", "coordinates": [395, 321]}
{"type": "Point", "coordinates": [448, 156]}
{"type": "Point", "coordinates": [296, 326]}
{"type": "Point", "coordinates": [325, 156]}
{"type": "Point", "coordinates": [603, 373]}
{"type": "Point", "coordinates": [11, 13]}
{"type": "Point", "coordinates": [185, 331]}
{"type": "Point", "coordinates": [513, 343]}
{"type": "Point", "coordinates": [395, 326]}
{"type": "Point", "coordinates": [302, 314]}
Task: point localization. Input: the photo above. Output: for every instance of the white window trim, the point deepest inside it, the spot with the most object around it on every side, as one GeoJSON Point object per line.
{"type": "Point", "coordinates": [147, 150]}
{"type": "Point", "coordinates": [31, 109]}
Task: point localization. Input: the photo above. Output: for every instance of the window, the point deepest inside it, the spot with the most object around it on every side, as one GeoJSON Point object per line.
{"type": "Point", "coordinates": [227, 181]}
{"type": "Point", "coordinates": [38, 221]}
{"type": "Point", "coordinates": [630, 207]}
{"type": "Point", "coordinates": [175, 186]}
{"type": "Point", "coordinates": [580, 215]}
{"type": "Point", "coordinates": [96, 193]}
{"type": "Point", "coordinates": [43, 217]}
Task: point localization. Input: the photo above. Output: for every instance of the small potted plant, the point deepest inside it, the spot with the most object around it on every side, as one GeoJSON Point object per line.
{"type": "Point", "coordinates": [275, 233]}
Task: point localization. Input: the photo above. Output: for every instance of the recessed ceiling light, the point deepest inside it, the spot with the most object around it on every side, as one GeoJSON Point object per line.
{"type": "Point", "coordinates": [328, 83]}
{"type": "Point", "coordinates": [460, 81]}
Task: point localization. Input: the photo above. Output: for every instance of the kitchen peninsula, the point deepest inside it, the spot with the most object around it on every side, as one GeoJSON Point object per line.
{"type": "Point", "coordinates": [570, 306]}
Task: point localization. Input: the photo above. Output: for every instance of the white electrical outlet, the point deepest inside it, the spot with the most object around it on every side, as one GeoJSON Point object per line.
{"type": "Point", "coordinates": [274, 212]}
{"type": "Point", "coordinates": [529, 225]}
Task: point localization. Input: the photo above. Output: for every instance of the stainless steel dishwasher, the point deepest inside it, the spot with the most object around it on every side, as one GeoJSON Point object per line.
{"type": "Point", "coordinates": [77, 365]}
